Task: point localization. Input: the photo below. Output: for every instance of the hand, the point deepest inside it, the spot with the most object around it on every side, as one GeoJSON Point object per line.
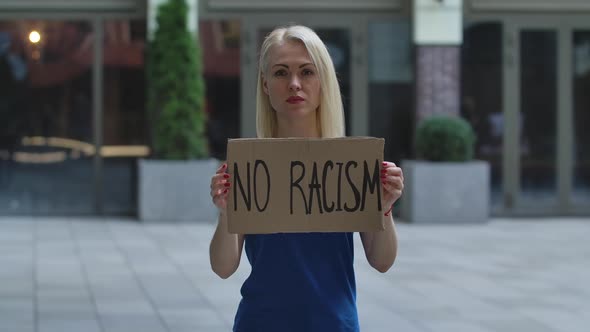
{"type": "Point", "coordinates": [220, 188]}
{"type": "Point", "coordinates": [392, 182]}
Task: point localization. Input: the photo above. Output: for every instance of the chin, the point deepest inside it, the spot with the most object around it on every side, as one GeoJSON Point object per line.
{"type": "Point", "coordinates": [300, 113]}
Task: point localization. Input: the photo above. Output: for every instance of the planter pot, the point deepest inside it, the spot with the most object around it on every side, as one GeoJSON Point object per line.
{"type": "Point", "coordinates": [445, 192]}
{"type": "Point", "coordinates": [171, 190]}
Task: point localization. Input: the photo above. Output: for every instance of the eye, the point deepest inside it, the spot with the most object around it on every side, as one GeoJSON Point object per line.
{"type": "Point", "coordinates": [280, 72]}
{"type": "Point", "coordinates": [307, 72]}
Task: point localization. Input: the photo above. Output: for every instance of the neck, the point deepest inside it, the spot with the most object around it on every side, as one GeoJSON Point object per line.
{"type": "Point", "coordinates": [303, 129]}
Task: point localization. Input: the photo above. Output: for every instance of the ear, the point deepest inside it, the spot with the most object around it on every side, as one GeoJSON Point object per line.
{"type": "Point", "coordinates": [264, 83]}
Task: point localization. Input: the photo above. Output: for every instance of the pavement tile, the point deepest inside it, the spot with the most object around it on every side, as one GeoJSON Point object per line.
{"type": "Point", "coordinates": [120, 275]}
{"type": "Point", "coordinates": [132, 322]}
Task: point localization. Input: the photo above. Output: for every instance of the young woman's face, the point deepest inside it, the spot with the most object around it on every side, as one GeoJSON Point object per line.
{"type": "Point", "coordinates": [291, 81]}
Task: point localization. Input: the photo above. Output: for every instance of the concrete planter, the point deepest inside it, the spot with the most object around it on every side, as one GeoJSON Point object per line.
{"type": "Point", "coordinates": [446, 192]}
{"type": "Point", "coordinates": [176, 190]}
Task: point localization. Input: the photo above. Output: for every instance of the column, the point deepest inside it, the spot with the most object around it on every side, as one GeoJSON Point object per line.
{"type": "Point", "coordinates": [438, 27]}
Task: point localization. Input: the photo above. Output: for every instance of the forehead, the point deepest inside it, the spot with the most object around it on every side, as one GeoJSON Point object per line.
{"type": "Point", "coordinates": [289, 52]}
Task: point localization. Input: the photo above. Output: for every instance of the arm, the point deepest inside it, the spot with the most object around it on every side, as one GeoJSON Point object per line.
{"type": "Point", "coordinates": [381, 247]}
{"type": "Point", "coordinates": [225, 249]}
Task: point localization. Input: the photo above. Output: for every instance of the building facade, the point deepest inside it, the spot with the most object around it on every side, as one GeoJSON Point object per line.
{"type": "Point", "coordinates": [72, 92]}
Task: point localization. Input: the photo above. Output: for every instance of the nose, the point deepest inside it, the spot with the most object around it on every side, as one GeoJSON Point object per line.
{"type": "Point", "coordinates": [294, 83]}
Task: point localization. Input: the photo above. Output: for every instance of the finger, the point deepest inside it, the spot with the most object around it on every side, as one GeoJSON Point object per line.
{"type": "Point", "coordinates": [392, 178]}
{"type": "Point", "coordinates": [215, 193]}
{"type": "Point", "coordinates": [220, 185]}
{"type": "Point", "coordinates": [397, 193]}
{"type": "Point", "coordinates": [219, 179]}
{"type": "Point", "coordinates": [391, 190]}
{"type": "Point", "coordinates": [387, 164]}
{"type": "Point", "coordinates": [220, 195]}
{"type": "Point", "coordinates": [395, 182]}
{"type": "Point", "coordinates": [387, 187]}
{"type": "Point", "coordinates": [222, 168]}
{"type": "Point", "coordinates": [392, 171]}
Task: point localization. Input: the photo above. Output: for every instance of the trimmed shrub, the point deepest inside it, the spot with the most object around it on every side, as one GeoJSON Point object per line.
{"type": "Point", "coordinates": [445, 138]}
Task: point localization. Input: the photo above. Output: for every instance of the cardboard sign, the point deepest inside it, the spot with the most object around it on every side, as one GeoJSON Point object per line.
{"type": "Point", "coordinates": [304, 185]}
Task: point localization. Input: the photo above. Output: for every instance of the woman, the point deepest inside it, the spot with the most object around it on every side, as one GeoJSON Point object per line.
{"type": "Point", "coordinates": [299, 281]}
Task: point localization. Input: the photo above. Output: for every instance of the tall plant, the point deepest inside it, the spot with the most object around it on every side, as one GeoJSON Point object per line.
{"type": "Point", "coordinates": [176, 89]}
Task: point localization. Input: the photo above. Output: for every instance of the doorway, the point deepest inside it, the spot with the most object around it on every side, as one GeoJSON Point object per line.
{"type": "Point", "coordinates": [547, 152]}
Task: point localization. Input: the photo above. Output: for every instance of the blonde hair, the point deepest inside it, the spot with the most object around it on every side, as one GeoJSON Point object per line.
{"type": "Point", "coordinates": [330, 114]}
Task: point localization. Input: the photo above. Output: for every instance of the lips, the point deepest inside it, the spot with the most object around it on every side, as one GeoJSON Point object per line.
{"type": "Point", "coordinates": [295, 99]}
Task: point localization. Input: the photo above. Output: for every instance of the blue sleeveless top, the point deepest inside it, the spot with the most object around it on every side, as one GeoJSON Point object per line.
{"type": "Point", "coordinates": [299, 282]}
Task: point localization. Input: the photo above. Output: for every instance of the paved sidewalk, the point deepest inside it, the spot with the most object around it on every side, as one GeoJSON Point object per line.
{"type": "Point", "coordinates": [87, 275]}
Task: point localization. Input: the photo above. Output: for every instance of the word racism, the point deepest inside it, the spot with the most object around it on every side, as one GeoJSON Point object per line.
{"type": "Point", "coordinates": [316, 194]}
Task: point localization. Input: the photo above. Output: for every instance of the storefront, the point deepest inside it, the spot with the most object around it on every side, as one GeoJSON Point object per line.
{"type": "Point", "coordinates": [76, 119]}
{"type": "Point", "coordinates": [525, 77]}
{"type": "Point", "coordinates": [72, 105]}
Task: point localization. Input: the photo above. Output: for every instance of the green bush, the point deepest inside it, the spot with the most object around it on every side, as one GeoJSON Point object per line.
{"type": "Point", "coordinates": [176, 89]}
{"type": "Point", "coordinates": [445, 138]}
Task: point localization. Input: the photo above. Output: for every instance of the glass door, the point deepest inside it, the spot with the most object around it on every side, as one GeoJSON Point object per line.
{"type": "Point", "coordinates": [537, 116]}
{"type": "Point", "coordinates": [547, 74]}
{"type": "Point", "coordinates": [580, 81]}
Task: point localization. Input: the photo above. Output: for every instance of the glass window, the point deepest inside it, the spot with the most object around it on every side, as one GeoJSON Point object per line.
{"type": "Point", "coordinates": [337, 42]}
{"type": "Point", "coordinates": [481, 95]}
{"type": "Point", "coordinates": [220, 44]}
{"type": "Point", "coordinates": [391, 89]}
{"type": "Point", "coordinates": [538, 114]}
{"type": "Point", "coordinates": [125, 128]}
{"type": "Point", "coordinates": [581, 102]}
{"type": "Point", "coordinates": [125, 118]}
{"type": "Point", "coordinates": [46, 117]}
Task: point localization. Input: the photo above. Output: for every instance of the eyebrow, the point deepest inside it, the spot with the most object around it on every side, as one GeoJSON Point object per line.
{"type": "Point", "coordinates": [284, 65]}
